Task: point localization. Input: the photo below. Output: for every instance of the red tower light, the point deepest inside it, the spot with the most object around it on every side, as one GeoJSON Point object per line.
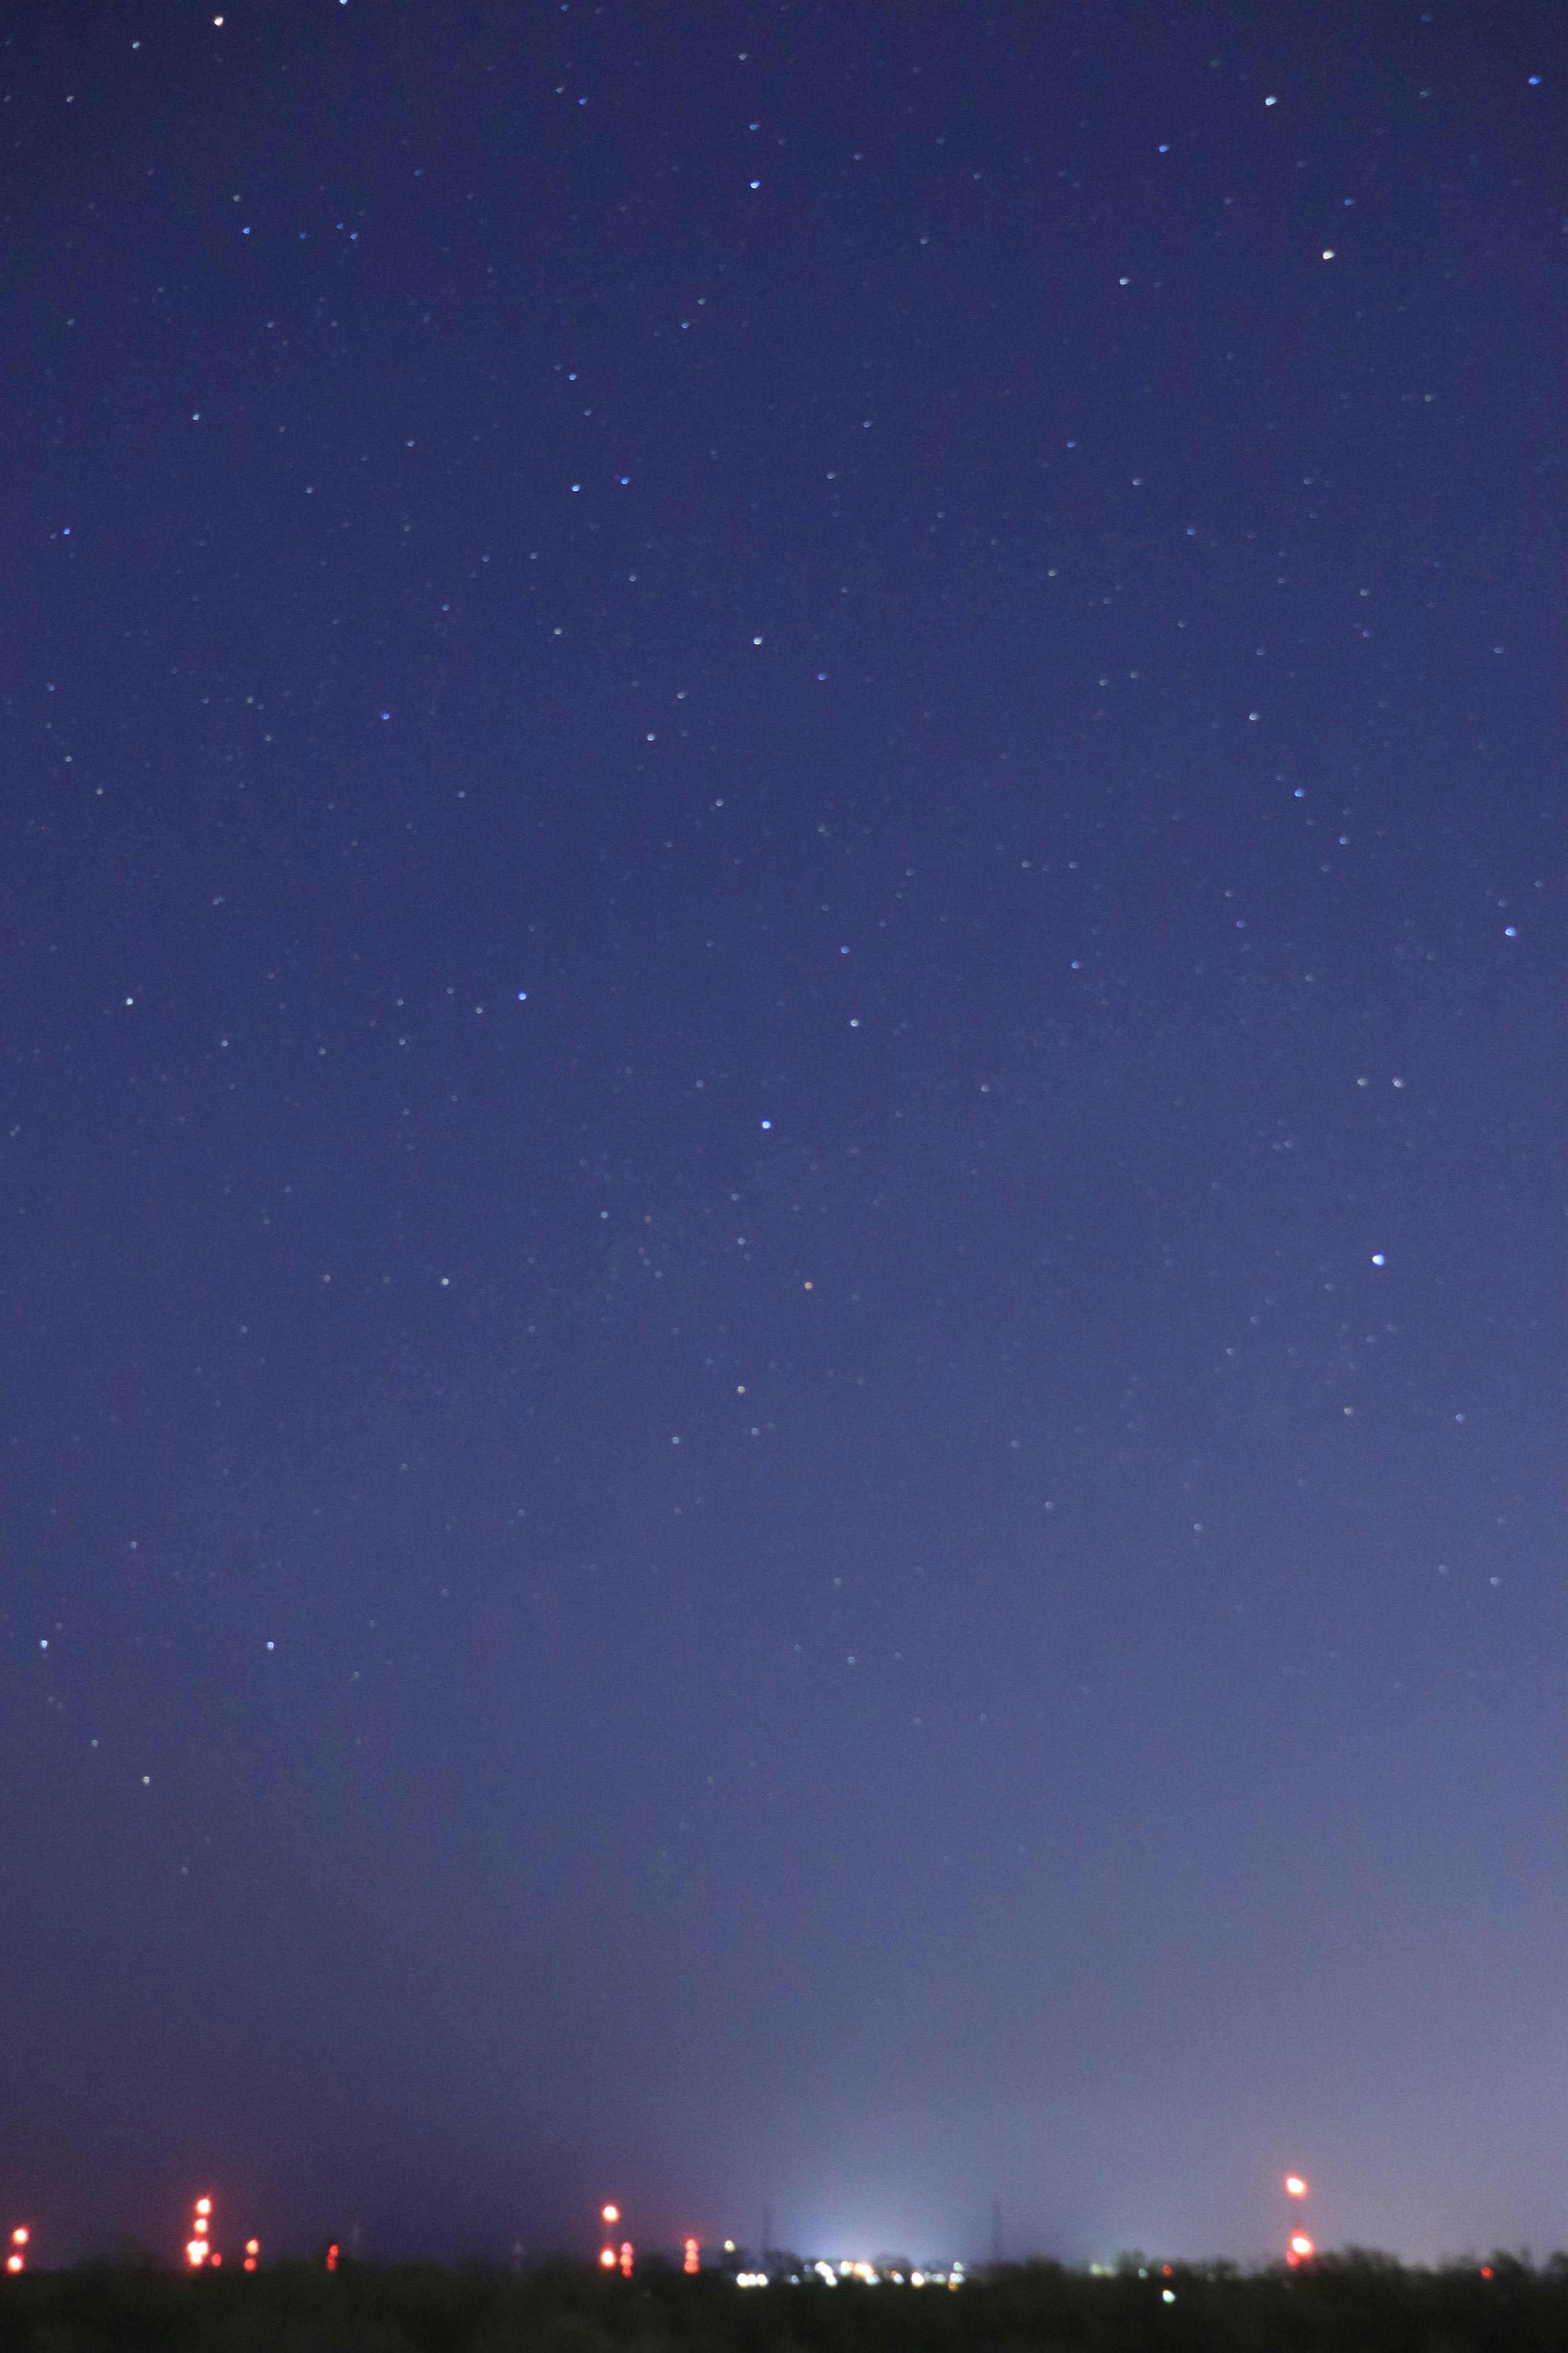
{"type": "Point", "coordinates": [693, 2262]}
{"type": "Point", "coordinates": [626, 2259]}
{"type": "Point", "coordinates": [16, 2260]}
{"type": "Point", "coordinates": [198, 2246]}
{"type": "Point", "coordinates": [333, 2253]}
{"type": "Point", "coordinates": [608, 2259]}
{"type": "Point", "coordinates": [1300, 2249]}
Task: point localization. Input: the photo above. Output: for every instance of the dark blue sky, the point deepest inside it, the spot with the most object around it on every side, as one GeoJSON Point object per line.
{"type": "Point", "coordinates": [783, 950]}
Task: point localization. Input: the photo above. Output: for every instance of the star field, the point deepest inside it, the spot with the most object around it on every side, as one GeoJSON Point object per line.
{"type": "Point", "coordinates": [783, 1142]}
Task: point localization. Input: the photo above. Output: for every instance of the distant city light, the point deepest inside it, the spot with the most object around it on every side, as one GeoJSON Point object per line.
{"type": "Point", "coordinates": [197, 2252]}
{"type": "Point", "coordinates": [16, 2260]}
{"type": "Point", "coordinates": [252, 2250]}
{"type": "Point", "coordinates": [626, 2259]}
{"type": "Point", "coordinates": [608, 2259]}
{"type": "Point", "coordinates": [1294, 2186]}
{"type": "Point", "coordinates": [693, 2261]}
{"type": "Point", "coordinates": [832, 2274]}
{"type": "Point", "coordinates": [1300, 2247]}
{"type": "Point", "coordinates": [750, 2279]}
{"type": "Point", "coordinates": [609, 2213]}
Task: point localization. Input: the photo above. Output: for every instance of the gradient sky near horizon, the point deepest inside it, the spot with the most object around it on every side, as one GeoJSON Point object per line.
{"type": "Point", "coordinates": [781, 1338]}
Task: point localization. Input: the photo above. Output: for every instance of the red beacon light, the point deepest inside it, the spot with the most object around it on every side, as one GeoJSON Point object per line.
{"type": "Point", "coordinates": [693, 2262]}
{"type": "Point", "coordinates": [606, 2259]}
{"type": "Point", "coordinates": [1300, 2249]}
{"type": "Point", "coordinates": [252, 2251]}
{"type": "Point", "coordinates": [197, 2249]}
{"type": "Point", "coordinates": [16, 2261]}
{"type": "Point", "coordinates": [1294, 2186]}
{"type": "Point", "coordinates": [332, 2254]}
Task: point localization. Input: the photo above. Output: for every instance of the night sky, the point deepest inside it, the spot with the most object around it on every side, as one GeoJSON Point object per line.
{"type": "Point", "coordinates": [781, 863]}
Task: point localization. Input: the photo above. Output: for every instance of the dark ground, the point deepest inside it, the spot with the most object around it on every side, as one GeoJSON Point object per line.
{"type": "Point", "coordinates": [1357, 2300]}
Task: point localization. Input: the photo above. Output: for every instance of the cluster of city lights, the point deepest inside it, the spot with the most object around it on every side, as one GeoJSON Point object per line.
{"type": "Point", "coordinates": [618, 2254]}
{"type": "Point", "coordinates": [867, 2274]}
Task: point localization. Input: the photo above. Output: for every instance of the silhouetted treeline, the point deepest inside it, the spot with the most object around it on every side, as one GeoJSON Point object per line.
{"type": "Point", "coordinates": [1351, 2303]}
